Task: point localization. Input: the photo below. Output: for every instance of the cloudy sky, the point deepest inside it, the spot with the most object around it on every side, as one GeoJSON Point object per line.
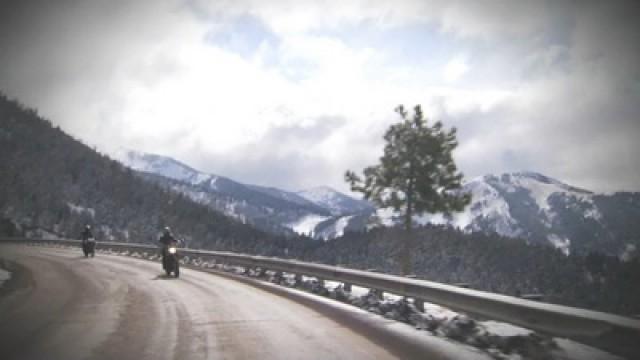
{"type": "Point", "coordinates": [293, 93]}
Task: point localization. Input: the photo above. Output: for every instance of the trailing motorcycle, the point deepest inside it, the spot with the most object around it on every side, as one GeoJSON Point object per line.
{"type": "Point", "coordinates": [170, 259]}
{"type": "Point", "coordinates": [89, 247]}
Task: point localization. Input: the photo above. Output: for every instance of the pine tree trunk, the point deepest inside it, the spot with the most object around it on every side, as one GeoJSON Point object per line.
{"type": "Point", "coordinates": [407, 246]}
{"type": "Point", "coordinates": [407, 241]}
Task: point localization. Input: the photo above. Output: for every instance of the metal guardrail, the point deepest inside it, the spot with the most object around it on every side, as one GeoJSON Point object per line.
{"type": "Point", "coordinates": [617, 334]}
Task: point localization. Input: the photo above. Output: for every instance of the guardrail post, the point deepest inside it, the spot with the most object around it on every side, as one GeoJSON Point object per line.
{"type": "Point", "coordinates": [419, 304]}
{"type": "Point", "coordinates": [277, 277]}
{"type": "Point", "coordinates": [378, 293]}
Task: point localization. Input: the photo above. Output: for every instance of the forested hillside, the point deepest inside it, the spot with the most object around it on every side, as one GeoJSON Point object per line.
{"type": "Point", "coordinates": [498, 264]}
{"type": "Point", "coordinates": [51, 181]}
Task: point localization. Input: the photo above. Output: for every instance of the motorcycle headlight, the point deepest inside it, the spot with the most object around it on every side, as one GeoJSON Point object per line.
{"type": "Point", "coordinates": [172, 250]}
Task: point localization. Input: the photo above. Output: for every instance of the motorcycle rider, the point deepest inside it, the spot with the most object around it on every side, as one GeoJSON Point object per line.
{"type": "Point", "coordinates": [85, 236]}
{"type": "Point", "coordinates": [170, 259]}
{"type": "Point", "coordinates": [167, 237]}
{"type": "Point", "coordinates": [165, 240]}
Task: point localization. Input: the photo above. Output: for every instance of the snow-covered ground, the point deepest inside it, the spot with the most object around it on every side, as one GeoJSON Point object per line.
{"type": "Point", "coordinates": [41, 234]}
{"type": "Point", "coordinates": [4, 276]}
{"type": "Point", "coordinates": [334, 201]}
{"type": "Point", "coordinates": [78, 209]}
{"type": "Point", "coordinates": [564, 244]}
{"type": "Point", "coordinates": [450, 324]}
{"type": "Point", "coordinates": [161, 165]}
{"type": "Point", "coordinates": [573, 350]}
{"type": "Point", "coordinates": [307, 224]}
{"type": "Point", "coordinates": [324, 196]}
{"type": "Point", "coordinates": [341, 224]}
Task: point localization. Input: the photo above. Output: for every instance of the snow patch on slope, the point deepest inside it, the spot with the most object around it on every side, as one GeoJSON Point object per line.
{"type": "Point", "coordinates": [341, 224]}
{"type": "Point", "coordinates": [487, 205]}
{"type": "Point", "coordinates": [160, 165]}
{"type": "Point", "coordinates": [336, 202]}
{"type": "Point", "coordinates": [561, 243]}
{"type": "Point", "coordinates": [81, 209]}
{"type": "Point", "coordinates": [4, 276]}
{"type": "Point", "coordinates": [307, 224]}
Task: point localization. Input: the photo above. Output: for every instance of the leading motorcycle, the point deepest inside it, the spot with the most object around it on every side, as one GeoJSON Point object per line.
{"type": "Point", "coordinates": [170, 259]}
{"type": "Point", "coordinates": [89, 247]}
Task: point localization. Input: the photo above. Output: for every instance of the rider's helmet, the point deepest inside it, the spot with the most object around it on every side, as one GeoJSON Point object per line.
{"type": "Point", "coordinates": [167, 230]}
{"type": "Point", "coordinates": [88, 227]}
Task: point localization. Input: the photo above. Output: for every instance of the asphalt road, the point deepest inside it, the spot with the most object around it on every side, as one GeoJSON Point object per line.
{"type": "Point", "coordinates": [60, 305]}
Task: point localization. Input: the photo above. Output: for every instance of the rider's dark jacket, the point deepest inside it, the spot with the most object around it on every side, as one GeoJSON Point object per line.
{"type": "Point", "coordinates": [86, 235]}
{"type": "Point", "coordinates": [166, 239]}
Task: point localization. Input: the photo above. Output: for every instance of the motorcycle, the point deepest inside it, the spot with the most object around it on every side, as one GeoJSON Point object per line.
{"type": "Point", "coordinates": [170, 259]}
{"type": "Point", "coordinates": [89, 247]}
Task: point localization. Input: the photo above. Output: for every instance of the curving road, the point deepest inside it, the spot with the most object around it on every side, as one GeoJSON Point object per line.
{"type": "Point", "coordinates": [60, 305]}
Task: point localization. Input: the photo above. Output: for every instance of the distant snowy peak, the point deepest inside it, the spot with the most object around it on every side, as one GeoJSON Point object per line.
{"type": "Point", "coordinates": [531, 206]}
{"type": "Point", "coordinates": [536, 182]}
{"type": "Point", "coordinates": [540, 188]}
{"type": "Point", "coordinates": [334, 201]}
{"type": "Point", "coordinates": [162, 165]}
{"type": "Point", "coordinates": [320, 194]}
{"type": "Point", "coordinates": [286, 196]}
{"type": "Point", "coordinates": [268, 208]}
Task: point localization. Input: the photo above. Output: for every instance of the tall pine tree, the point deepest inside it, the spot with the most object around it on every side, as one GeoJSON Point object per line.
{"type": "Point", "coordinates": [416, 174]}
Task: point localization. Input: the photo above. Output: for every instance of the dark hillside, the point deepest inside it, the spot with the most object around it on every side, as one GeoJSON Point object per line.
{"type": "Point", "coordinates": [54, 182]}
{"type": "Point", "coordinates": [493, 263]}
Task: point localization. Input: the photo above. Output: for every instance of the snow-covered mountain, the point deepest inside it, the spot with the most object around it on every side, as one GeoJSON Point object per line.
{"type": "Point", "coordinates": [347, 214]}
{"type": "Point", "coordinates": [540, 209]}
{"type": "Point", "coordinates": [524, 205]}
{"type": "Point", "coordinates": [268, 208]}
{"type": "Point", "coordinates": [164, 166]}
{"type": "Point", "coordinates": [336, 202]}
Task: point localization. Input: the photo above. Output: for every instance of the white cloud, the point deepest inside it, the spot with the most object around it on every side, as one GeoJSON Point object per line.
{"type": "Point", "coordinates": [149, 76]}
{"type": "Point", "coordinates": [455, 69]}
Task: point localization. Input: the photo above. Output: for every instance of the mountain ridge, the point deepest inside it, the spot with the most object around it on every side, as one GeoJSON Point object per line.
{"type": "Point", "coordinates": [268, 208]}
{"type": "Point", "coordinates": [540, 209]}
{"type": "Point", "coordinates": [521, 204]}
{"type": "Point", "coordinates": [53, 185]}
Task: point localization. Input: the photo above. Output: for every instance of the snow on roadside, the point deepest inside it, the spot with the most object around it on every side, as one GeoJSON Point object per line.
{"type": "Point", "coordinates": [497, 340]}
{"type": "Point", "coordinates": [41, 234]}
{"type": "Point", "coordinates": [572, 350]}
{"type": "Point", "coordinates": [504, 329]}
